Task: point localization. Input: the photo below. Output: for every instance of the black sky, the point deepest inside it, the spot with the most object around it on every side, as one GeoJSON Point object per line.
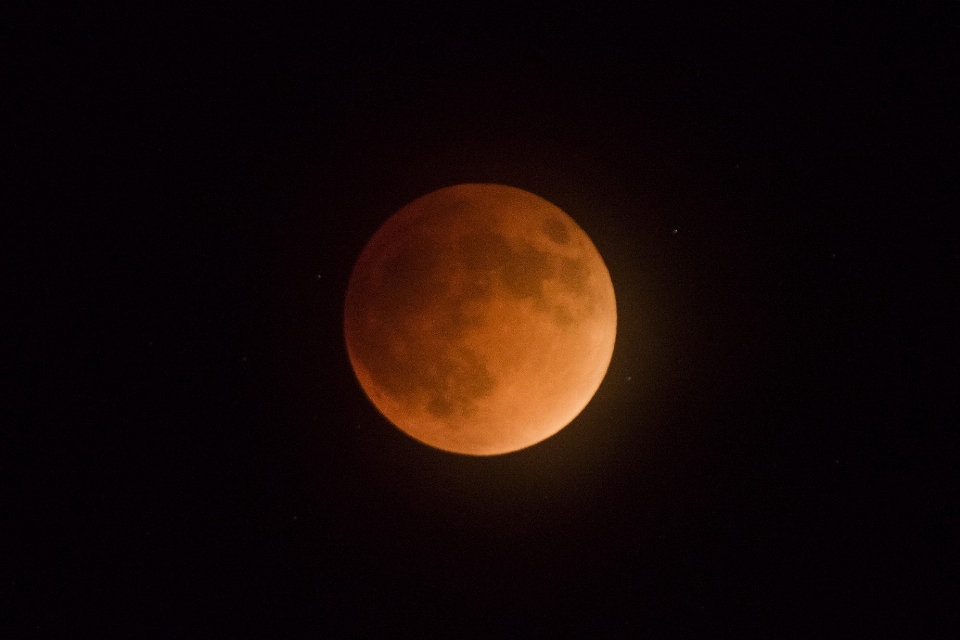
{"type": "Point", "coordinates": [189, 455]}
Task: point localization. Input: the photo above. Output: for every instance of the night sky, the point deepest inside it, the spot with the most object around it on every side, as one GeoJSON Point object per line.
{"type": "Point", "coordinates": [187, 453]}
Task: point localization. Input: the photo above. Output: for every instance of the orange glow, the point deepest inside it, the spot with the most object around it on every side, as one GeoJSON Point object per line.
{"type": "Point", "coordinates": [480, 319]}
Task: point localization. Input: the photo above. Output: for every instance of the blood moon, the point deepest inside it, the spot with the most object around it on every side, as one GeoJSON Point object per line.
{"type": "Point", "coordinates": [480, 319]}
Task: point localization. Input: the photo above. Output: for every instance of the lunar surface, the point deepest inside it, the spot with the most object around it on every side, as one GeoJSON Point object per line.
{"type": "Point", "coordinates": [480, 319]}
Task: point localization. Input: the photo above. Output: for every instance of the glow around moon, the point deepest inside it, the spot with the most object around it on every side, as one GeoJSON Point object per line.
{"type": "Point", "coordinates": [480, 319]}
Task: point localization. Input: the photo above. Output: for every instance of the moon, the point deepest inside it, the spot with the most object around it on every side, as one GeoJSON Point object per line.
{"type": "Point", "coordinates": [480, 319]}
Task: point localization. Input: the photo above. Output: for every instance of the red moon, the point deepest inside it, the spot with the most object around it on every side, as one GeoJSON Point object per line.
{"type": "Point", "coordinates": [480, 319]}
